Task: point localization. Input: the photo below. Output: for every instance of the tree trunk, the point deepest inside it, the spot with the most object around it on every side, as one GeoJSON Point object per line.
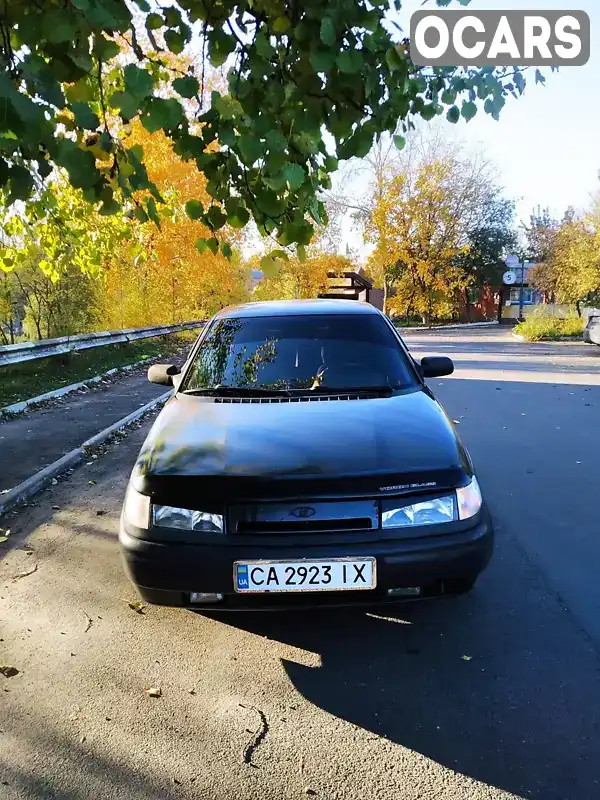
{"type": "Point", "coordinates": [578, 308]}
{"type": "Point", "coordinates": [386, 289]}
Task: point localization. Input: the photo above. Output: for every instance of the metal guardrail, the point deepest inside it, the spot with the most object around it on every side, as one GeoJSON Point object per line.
{"type": "Point", "coordinates": [28, 351]}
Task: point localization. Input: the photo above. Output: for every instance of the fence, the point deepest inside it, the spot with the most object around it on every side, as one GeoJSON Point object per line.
{"type": "Point", "coordinates": [28, 351]}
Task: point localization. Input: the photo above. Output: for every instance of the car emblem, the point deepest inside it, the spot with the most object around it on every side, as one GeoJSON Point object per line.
{"type": "Point", "coordinates": [303, 512]}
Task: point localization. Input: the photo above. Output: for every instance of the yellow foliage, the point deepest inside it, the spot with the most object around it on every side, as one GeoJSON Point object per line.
{"type": "Point", "coordinates": [302, 279]}
{"type": "Point", "coordinates": [417, 226]}
{"type": "Point", "coordinates": [164, 278]}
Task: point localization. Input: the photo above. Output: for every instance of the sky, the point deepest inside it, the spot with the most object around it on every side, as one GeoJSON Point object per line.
{"type": "Point", "coordinates": [547, 143]}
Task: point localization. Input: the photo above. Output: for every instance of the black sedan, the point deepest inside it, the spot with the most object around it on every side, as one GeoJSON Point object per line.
{"type": "Point", "coordinates": [302, 460]}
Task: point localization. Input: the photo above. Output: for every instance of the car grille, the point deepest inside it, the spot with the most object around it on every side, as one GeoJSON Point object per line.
{"type": "Point", "coordinates": [319, 398]}
{"type": "Point", "coordinates": [303, 526]}
{"type": "Point", "coordinates": [304, 517]}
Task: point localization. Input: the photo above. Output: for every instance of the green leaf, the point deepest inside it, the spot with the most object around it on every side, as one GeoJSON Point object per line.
{"type": "Point", "coordinates": [201, 244]}
{"type": "Point", "coordinates": [154, 21]}
{"type": "Point", "coordinates": [400, 142]}
{"type": "Point", "coordinates": [186, 87]}
{"type": "Point", "coordinates": [331, 164]}
{"type": "Point", "coordinates": [138, 82]}
{"type": "Point", "coordinates": [59, 26]}
{"type": "Point", "coordinates": [175, 41]}
{"type": "Point", "coordinates": [213, 245]}
{"type": "Point", "coordinates": [84, 116]}
{"type": "Point", "coordinates": [393, 59]}
{"type": "Point", "coordinates": [20, 182]}
{"type": "Point", "coordinates": [328, 36]}
{"type": "Point", "coordinates": [276, 142]}
{"type": "Point", "coordinates": [294, 175]}
{"type": "Point", "coordinates": [468, 111]}
{"type": "Point", "coordinates": [79, 91]}
{"type": "Point", "coordinates": [127, 104]}
{"type": "Point", "coordinates": [104, 48]}
{"type": "Point", "coordinates": [281, 24]}
{"type": "Point", "coordinates": [250, 148]}
{"type": "Point", "coordinates": [350, 61]}
{"type": "Point", "coordinates": [172, 16]}
{"type": "Point", "coordinates": [263, 46]}
{"type": "Point", "coordinates": [237, 215]}
{"type": "Point", "coordinates": [269, 266]}
{"type": "Point", "coordinates": [194, 209]}
{"type": "Point", "coordinates": [269, 203]}
{"type": "Point", "coordinates": [226, 250]}
{"type": "Point", "coordinates": [152, 211]}
{"type": "Point", "coordinates": [322, 61]}
{"type": "Point", "coordinates": [453, 114]}
{"type": "Point", "coordinates": [166, 114]}
{"type": "Point", "coordinates": [220, 45]}
{"type": "Point", "coordinates": [216, 218]}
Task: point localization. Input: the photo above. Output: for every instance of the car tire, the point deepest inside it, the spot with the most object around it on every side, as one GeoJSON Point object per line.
{"type": "Point", "coordinates": [458, 586]}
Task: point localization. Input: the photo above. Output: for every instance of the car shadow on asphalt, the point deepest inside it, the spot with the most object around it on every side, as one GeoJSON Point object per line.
{"type": "Point", "coordinates": [453, 680]}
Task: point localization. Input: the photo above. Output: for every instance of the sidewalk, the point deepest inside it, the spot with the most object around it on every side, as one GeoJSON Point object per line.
{"type": "Point", "coordinates": [38, 438]}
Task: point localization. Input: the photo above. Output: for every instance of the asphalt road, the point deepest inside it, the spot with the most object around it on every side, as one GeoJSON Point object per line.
{"type": "Point", "coordinates": [494, 695]}
{"type": "Point", "coordinates": [32, 440]}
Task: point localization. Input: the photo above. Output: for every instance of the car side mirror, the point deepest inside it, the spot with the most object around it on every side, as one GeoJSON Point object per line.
{"type": "Point", "coordinates": [163, 374]}
{"type": "Point", "coordinates": [436, 366]}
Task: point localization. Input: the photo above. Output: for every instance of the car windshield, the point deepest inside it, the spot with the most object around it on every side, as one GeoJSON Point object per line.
{"type": "Point", "coordinates": [312, 352]}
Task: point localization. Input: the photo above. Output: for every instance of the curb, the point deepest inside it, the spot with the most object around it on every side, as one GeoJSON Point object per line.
{"type": "Point", "coordinates": [16, 408]}
{"type": "Point", "coordinates": [458, 326]}
{"type": "Point", "coordinates": [40, 479]}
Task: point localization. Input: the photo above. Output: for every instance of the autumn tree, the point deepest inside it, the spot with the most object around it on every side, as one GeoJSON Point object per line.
{"type": "Point", "coordinates": [308, 84]}
{"type": "Point", "coordinates": [570, 271]}
{"type": "Point", "coordinates": [167, 278]}
{"type": "Point", "coordinates": [423, 218]}
{"type": "Point", "coordinates": [297, 279]}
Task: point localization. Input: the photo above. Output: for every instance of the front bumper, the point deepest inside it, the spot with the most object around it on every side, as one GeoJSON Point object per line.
{"type": "Point", "coordinates": [166, 573]}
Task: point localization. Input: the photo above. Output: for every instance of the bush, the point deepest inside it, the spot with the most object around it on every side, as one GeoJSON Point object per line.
{"type": "Point", "coordinates": [541, 325]}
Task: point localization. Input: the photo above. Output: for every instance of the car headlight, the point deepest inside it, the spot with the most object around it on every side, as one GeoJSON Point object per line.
{"type": "Point", "coordinates": [186, 519]}
{"type": "Point", "coordinates": [136, 508]}
{"type": "Point", "coordinates": [469, 499]}
{"type": "Point", "coordinates": [429, 511]}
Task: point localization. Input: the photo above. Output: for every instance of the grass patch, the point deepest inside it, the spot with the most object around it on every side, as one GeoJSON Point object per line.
{"type": "Point", "coordinates": [31, 378]}
{"type": "Point", "coordinates": [540, 326]}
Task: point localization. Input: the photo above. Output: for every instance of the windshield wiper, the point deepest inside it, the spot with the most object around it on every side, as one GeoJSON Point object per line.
{"type": "Point", "coordinates": [224, 389]}
{"type": "Point", "coordinates": [353, 389]}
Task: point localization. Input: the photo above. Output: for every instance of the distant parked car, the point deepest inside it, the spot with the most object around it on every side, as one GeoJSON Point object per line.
{"type": "Point", "coordinates": [591, 332]}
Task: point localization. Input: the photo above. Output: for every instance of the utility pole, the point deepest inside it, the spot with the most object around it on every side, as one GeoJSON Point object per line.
{"type": "Point", "coordinates": [521, 295]}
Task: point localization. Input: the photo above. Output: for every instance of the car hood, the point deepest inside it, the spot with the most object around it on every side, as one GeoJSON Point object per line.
{"type": "Point", "coordinates": [228, 450]}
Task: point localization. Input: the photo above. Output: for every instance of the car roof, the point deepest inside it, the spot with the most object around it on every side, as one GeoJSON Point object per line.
{"type": "Point", "coordinates": [280, 308]}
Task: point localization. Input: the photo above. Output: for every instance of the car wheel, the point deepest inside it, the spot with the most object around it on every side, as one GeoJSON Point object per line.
{"type": "Point", "coordinates": [460, 585]}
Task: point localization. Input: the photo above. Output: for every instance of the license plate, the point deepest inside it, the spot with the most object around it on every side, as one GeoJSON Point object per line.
{"type": "Point", "coordinates": [330, 575]}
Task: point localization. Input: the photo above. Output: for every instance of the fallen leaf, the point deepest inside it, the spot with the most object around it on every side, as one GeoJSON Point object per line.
{"type": "Point", "coordinates": [92, 483]}
{"type": "Point", "coordinates": [153, 691]}
{"type": "Point", "coordinates": [456, 421]}
{"type": "Point", "coordinates": [55, 508]}
{"type": "Point", "coordinates": [466, 658]}
{"type": "Point", "coordinates": [3, 539]}
{"type": "Point", "coordinates": [136, 606]}
{"type": "Point", "coordinates": [54, 482]}
{"type": "Point", "coordinates": [8, 671]}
